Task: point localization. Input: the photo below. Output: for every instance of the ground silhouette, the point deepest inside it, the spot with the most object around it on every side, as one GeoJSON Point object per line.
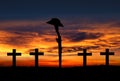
{"type": "Point", "coordinates": [57, 74]}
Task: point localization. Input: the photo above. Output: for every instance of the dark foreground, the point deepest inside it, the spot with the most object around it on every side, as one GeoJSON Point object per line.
{"type": "Point", "coordinates": [55, 74]}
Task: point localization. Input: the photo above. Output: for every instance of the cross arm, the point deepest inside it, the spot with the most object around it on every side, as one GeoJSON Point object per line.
{"type": "Point", "coordinates": [89, 54]}
{"type": "Point", "coordinates": [32, 53]}
{"type": "Point", "coordinates": [103, 53]}
{"type": "Point", "coordinates": [16, 54]}
{"type": "Point", "coordinates": [41, 53]}
{"type": "Point", "coordinates": [80, 54]}
{"type": "Point", "coordinates": [111, 53]}
{"type": "Point", "coordinates": [9, 54]}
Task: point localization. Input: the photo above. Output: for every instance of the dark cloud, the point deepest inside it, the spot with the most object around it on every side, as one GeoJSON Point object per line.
{"type": "Point", "coordinates": [78, 48]}
{"type": "Point", "coordinates": [39, 26]}
{"type": "Point", "coordinates": [79, 36]}
{"type": "Point", "coordinates": [114, 43]}
{"type": "Point", "coordinates": [73, 49]}
{"type": "Point", "coordinates": [111, 42]}
{"type": "Point", "coordinates": [103, 45]}
{"type": "Point", "coordinates": [33, 50]}
{"type": "Point", "coordinates": [49, 39]}
{"type": "Point", "coordinates": [24, 29]}
{"type": "Point", "coordinates": [18, 38]}
{"type": "Point", "coordinates": [102, 40]}
{"type": "Point", "coordinates": [115, 24]}
{"type": "Point", "coordinates": [16, 41]}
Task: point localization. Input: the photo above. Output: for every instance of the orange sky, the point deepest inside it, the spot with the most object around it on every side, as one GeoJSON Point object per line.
{"type": "Point", "coordinates": [26, 35]}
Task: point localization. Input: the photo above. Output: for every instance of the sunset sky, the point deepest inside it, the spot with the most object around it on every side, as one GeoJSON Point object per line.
{"type": "Point", "coordinates": [90, 24]}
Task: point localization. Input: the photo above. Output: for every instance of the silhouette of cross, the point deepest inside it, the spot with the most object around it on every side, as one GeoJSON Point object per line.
{"type": "Point", "coordinates": [107, 53]}
{"type": "Point", "coordinates": [84, 54]}
{"type": "Point", "coordinates": [14, 54]}
{"type": "Point", "coordinates": [36, 53]}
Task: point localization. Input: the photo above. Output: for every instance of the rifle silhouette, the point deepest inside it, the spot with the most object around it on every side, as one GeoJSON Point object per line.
{"type": "Point", "coordinates": [56, 22]}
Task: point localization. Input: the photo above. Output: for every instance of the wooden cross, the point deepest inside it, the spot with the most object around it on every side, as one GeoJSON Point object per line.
{"type": "Point", "coordinates": [36, 54]}
{"type": "Point", "coordinates": [107, 53]}
{"type": "Point", "coordinates": [14, 54]}
{"type": "Point", "coordinates": [84, 54]}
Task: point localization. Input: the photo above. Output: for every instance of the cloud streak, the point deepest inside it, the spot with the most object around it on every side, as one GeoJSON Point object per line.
{"type": "Point", "coordinates": [80, 36]}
